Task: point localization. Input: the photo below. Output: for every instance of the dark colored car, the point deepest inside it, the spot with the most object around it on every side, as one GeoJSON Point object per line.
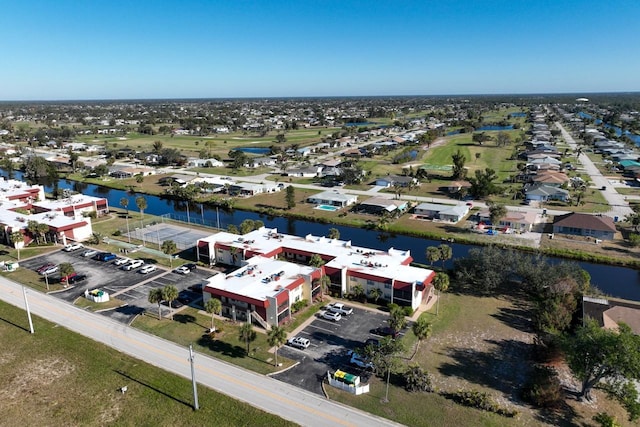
{"type": "Point", "coordinates": [105, 256]}
{"type": "Point", "coordinates": [191, 266]}
{"type": "Point", "coordinates": [77, 278]}
{"type": "Point", "coordinates": [196, 288]}
{"type": "Point", "coordinates": [385, 331]}
{"type": "Point", "coordinates": [185, 297]}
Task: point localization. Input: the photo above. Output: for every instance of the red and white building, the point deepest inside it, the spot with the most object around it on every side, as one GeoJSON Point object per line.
{"type": "Point", "coordinates": [346, 265]}
{"type": "Point", "coordinates": [66, 218]}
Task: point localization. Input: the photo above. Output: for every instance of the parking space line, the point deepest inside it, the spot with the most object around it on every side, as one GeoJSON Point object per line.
{"type": "Point", "coordinates": [322, 329]}
{"type": "Point", "coordinates": [150, 279]}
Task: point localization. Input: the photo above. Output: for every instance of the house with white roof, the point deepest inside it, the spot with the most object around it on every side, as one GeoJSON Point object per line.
{"type": "Point", "coordinates": [333, 198]}
{"type": "Point", "coordinates": [438, 211]}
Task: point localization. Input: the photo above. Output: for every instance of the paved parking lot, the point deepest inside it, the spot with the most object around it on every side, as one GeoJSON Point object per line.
{"type": "Point", "coordinates": [330, 343]}
{"type": "Point", "coordinates": [131, 287]}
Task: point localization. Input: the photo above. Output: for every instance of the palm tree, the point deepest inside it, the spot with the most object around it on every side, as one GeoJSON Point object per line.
{"type": "Point", "coordinates": [124, 202]}
{"type": "Point", "coordinates": [334, 233]}
{"type": "Point", "coordinates": [375, 294]}
{"type": "Point", "coordinates": [247, 334]}
{"type": "Point", "coordinates": [445, 253]}
{"type": "Point", "coordinates": [422, 330]}
{"type": "Point", "coordinates": [16, 238]}
{"type": "Point", "coordinates": [325, 282]}
{"type": "Point", "coordinates": [441, 283]}
{"type": "Point", "coordinates": [141, 203]}
{"type": "Point", "coordinates": [213, 306]}
{"type": "Point", "coordinates": [276, 337]}
{"type": "Point", "coordinates": [433, 254]}
{"type": "Point", "coordinates": [156, 297]}
{"type": "Point", "coordinates": [170, 293]}
{"type": "Point", "coordinates": [316, 261]}
{"type": "Point", "coordinates": [42, 231]}
{"type": "Point", "coordinates": [168, 247]}
{"type": "Point", "coordinates": [32, 228]}
{"type": "Point", "coordinates": [358, 292]}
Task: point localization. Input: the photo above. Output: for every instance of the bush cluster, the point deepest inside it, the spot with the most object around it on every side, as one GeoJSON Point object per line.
{"type": "Point", "coordinates": [544, 389]}
{"type": "Point", "coordinates": [299, 305]}
{"type": "Point", "coordinates": [480, 400]}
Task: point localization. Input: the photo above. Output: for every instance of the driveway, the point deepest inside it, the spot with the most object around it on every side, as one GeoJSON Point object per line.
{"type": "Point", "coordinates": [330, 343]}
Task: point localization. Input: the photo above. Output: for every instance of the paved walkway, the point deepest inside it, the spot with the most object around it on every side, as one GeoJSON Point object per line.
{"type": "Point", "coordinates": [287, 401]}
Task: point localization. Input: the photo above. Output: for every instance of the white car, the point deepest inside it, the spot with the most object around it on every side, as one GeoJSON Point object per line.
{"type": "Point", "coordinates": [89, 253]}
{"type": "Point", "coordinates": [133, 265]}
{"type": "Point", "coordinates": [330, 315]}
{"type": "Point", "coordinates": [147, 269]}
{"type": "Point", "coordinates": [72, 247]}
{"type": "Point", "coordinates": [339, 307]}
{"type": "Point", "coordinates": [122, 261]}
{"type": "Point", "coordinates": [298, 342]}
{"type": "Point", "coordinates": [183, 270]}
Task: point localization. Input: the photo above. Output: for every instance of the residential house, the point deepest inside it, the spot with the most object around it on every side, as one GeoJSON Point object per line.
{"type": "Point", "coordinates": [515, 220]}
{"type": "Point", "coordinates": [332, 198]}
{"type": "Point", "coordinates": [545, 193]}
{"type": "Point", "coordinates": [204, 163]}
{"type": "Point", "coordinates": [451, 213]}
{"type": "Point", "coordinates": [381, 205]}
{"type": "Point", "coordinates": [596, 226]}
{"type": "Point", "coordinates": [399, 180]}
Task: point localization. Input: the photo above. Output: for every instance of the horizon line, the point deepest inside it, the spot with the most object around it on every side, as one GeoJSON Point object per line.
{"type": "Point", "coordinates": [458, 95]}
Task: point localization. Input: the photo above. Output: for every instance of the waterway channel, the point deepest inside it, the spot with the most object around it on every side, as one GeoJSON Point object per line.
{"type": "Point", "coordinates": [616, 281]}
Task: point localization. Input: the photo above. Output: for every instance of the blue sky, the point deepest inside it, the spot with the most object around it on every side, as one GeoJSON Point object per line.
{"type": "Point", "coordinates": [116, 49]}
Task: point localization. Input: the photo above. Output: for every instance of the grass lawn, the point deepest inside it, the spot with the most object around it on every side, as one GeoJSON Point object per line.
{"type": "Point", "coordinates": [189, 327]}
{"type": "Point", "coordinates": [56, 377]}
{"type": "Point", "coordinates": [478, 343]}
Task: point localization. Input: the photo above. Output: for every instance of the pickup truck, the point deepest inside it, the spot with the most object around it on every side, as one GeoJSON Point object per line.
{"type": "Point", "coordinates": [340, 308]}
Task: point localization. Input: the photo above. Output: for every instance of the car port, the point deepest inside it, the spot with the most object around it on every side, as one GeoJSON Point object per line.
{"type": "Point", "coordinates": [131, 287]}
{"type": "Point", "coordinates": [329, 348]}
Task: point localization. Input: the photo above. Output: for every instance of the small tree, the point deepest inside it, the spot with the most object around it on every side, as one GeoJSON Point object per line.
{"type": "Point", "coordinates": [334, 233]}
{"type": "Point", "coordinates": [169, 247]}
{"type": "Point", "coordinates": [422, 330]}
{"type": "Point", "coordinates": [384, 357]}
{"type": "Point", "coordinates": [170, 293]}
{"type": "Point", "coordinates": [156, 297]}
{"type": "Point", "coordinates": [433, 254]}
{"type": "Point", "coordinates": [375, 294]}
{"type": "Point", "coordinates": [16, 239]}
{"type": "Point", "coordinates": [325, 282]}
{"type": "Point", "coordinates": [276, 337]}
{"type": "Point", "coordinates": [397, 320]}
{"type": "Point", "coordinates": [141, 203]}
{"type": "Point", "coordinates": [497, 211]}
{"type": "Point", "coordinates": [290, 197]}
{"type": "Point", "coordinates": [213, 306]}
{"type": "Point", "coordinates": [247, 334]}
{"type": "Point", "coordinates": [416, 379]}
{"type": "Point", "coordinates": [316, 261]}
{"type": "Point", "coordinates": [65, 269]}
{"type": "Point", "coordinates": [445, 253]}
{"type": "Point", "coordinates": [358, 292]}
{"type": "Point", "coordinates": [441, 283]}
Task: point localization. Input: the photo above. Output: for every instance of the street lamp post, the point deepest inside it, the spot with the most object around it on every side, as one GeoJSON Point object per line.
{"type": "Point", "coordinates": [26, 305]}
{"type": "Point", "coordinates": [192, 356]}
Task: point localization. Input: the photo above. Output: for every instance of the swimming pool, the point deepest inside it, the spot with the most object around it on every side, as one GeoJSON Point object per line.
{"type": "Point", "coordinates": [328, 208]}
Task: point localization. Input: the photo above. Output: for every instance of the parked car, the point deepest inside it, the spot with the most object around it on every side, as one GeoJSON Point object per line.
{"type": "Point", "coordinates": [105, 256]}
{"type": "Point", "coordinates": [190, 265]}
{"type": "Point", "coordinates": [182, 270]}
{"type": "Point", "coordinates": [133, 265]}
{"type": "Point", "coordinates": [44, 267]}
{"type": "Point", "coordinates": [148, 269]}
{"type": "Point", "coordinates": [330, 315]}
{"type": "Point", "coordinates": [122, 261]}
{"type": "Point", "coordinates": [339, 307]}
{"type": "Point", "coordinates": [197, 287]}
{"type": "Point", "coordinates": [298, 342]}
{"type": "Point", "coordinates": [67, 277]}
{"type": "Point", "coordinates": [89, 253]}
{"type": "Point", "coordinates": [50, 270]}
{"type": "Point", "coordinates": [185, 297]}
{"type": "Point", "coordinates": [77, 278]}
{"type": "Point", "coordinates": [70, 247]}
{"type": "Point", "coordinates": [360, 361]}
{"type": "Point", "coordinates": [385, 331]}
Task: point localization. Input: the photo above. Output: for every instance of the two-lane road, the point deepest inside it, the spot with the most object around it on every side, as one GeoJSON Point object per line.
{"type": "Point", "coordinates": [270, 395]}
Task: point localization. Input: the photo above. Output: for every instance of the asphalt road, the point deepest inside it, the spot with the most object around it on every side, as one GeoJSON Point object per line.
{"type": "Point", "coordinates": [287, 401]}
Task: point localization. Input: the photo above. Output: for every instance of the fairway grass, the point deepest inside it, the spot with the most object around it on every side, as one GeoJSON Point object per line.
{"type": "Point", "coordinates": [56, 377]}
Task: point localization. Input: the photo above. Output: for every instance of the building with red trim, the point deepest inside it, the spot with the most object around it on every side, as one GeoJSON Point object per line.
{"type": "Point", "coordinates": [346, 265]}
{"type": "Point", "coordinates": [263, 290]}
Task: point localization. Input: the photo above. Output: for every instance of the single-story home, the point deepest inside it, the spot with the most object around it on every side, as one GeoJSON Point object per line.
{"type": "Point", "coordinates": [517, 221]}
{"type": "Point", "coordinates": [452, 213]}
{"type": "Point", "coordinates": [596, 226]}
{"type": "Point", "coordinates": [392, 180]}
{"type": "Point", "coordinates": [543, 193]}
{"type": "Point", "coordinates": [332, 198]}
{"type": "Point", "coordinates": [381, 205]}
{"type": "Point", "coordinates": [204, 163]}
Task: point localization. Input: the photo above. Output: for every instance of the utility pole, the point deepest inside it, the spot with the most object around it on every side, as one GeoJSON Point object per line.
{"type": "Point", "coordinates": [26, 304]}
{"type": "Point", "coordinates": [192, 356]}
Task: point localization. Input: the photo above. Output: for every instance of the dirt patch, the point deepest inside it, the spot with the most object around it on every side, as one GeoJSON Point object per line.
{"type": "Point", "coordinates": [30, 378]}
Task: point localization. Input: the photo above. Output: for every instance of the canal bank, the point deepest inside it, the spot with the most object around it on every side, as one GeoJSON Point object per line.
{"type": "Point", "coordinates": [621, 282]}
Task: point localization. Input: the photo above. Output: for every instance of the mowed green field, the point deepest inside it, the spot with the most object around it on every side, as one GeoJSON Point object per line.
{"type": "Point", "coordinates": [56, 377]}
{"type": "Point", "coordinates": [215, 145]}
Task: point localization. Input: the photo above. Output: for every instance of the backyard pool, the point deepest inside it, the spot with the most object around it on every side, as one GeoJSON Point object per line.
{"type": "Point", "coordinates": [328, 208]}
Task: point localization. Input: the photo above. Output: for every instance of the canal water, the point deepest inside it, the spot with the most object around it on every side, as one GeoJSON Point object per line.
{"type": "Point", "coordinates": [619, 282]}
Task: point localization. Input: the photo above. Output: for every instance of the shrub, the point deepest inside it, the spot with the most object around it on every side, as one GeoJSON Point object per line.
{"type": "Point", "coordinates": [417, 379]}
{"type": "Point", "coordinates": [117, 233]}
{"type": "Point", "coordinates": [543, 389]}
{"type": "Point", "coordinates": [634, 239]}
{"type": "Point", "coordinates": [605, 420]}
{"type": "Point", "coordinates": [299, 305]}
{"type": "Point", "coordinates": [479, 400]}
{"type": "Point", "coordinates": [408, 311]}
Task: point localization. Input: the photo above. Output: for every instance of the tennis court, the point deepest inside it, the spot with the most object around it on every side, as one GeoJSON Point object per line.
{"type": "Point", "coordinates": [183, 237]}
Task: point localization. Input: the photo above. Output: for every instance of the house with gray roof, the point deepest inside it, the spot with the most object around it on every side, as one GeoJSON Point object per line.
{"type": "Point", "coordinates": [381, 205]}
{"type": "Point", "coordinates": [544, 193]}
{"type": "Point", "coordinates": [451, 213]}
